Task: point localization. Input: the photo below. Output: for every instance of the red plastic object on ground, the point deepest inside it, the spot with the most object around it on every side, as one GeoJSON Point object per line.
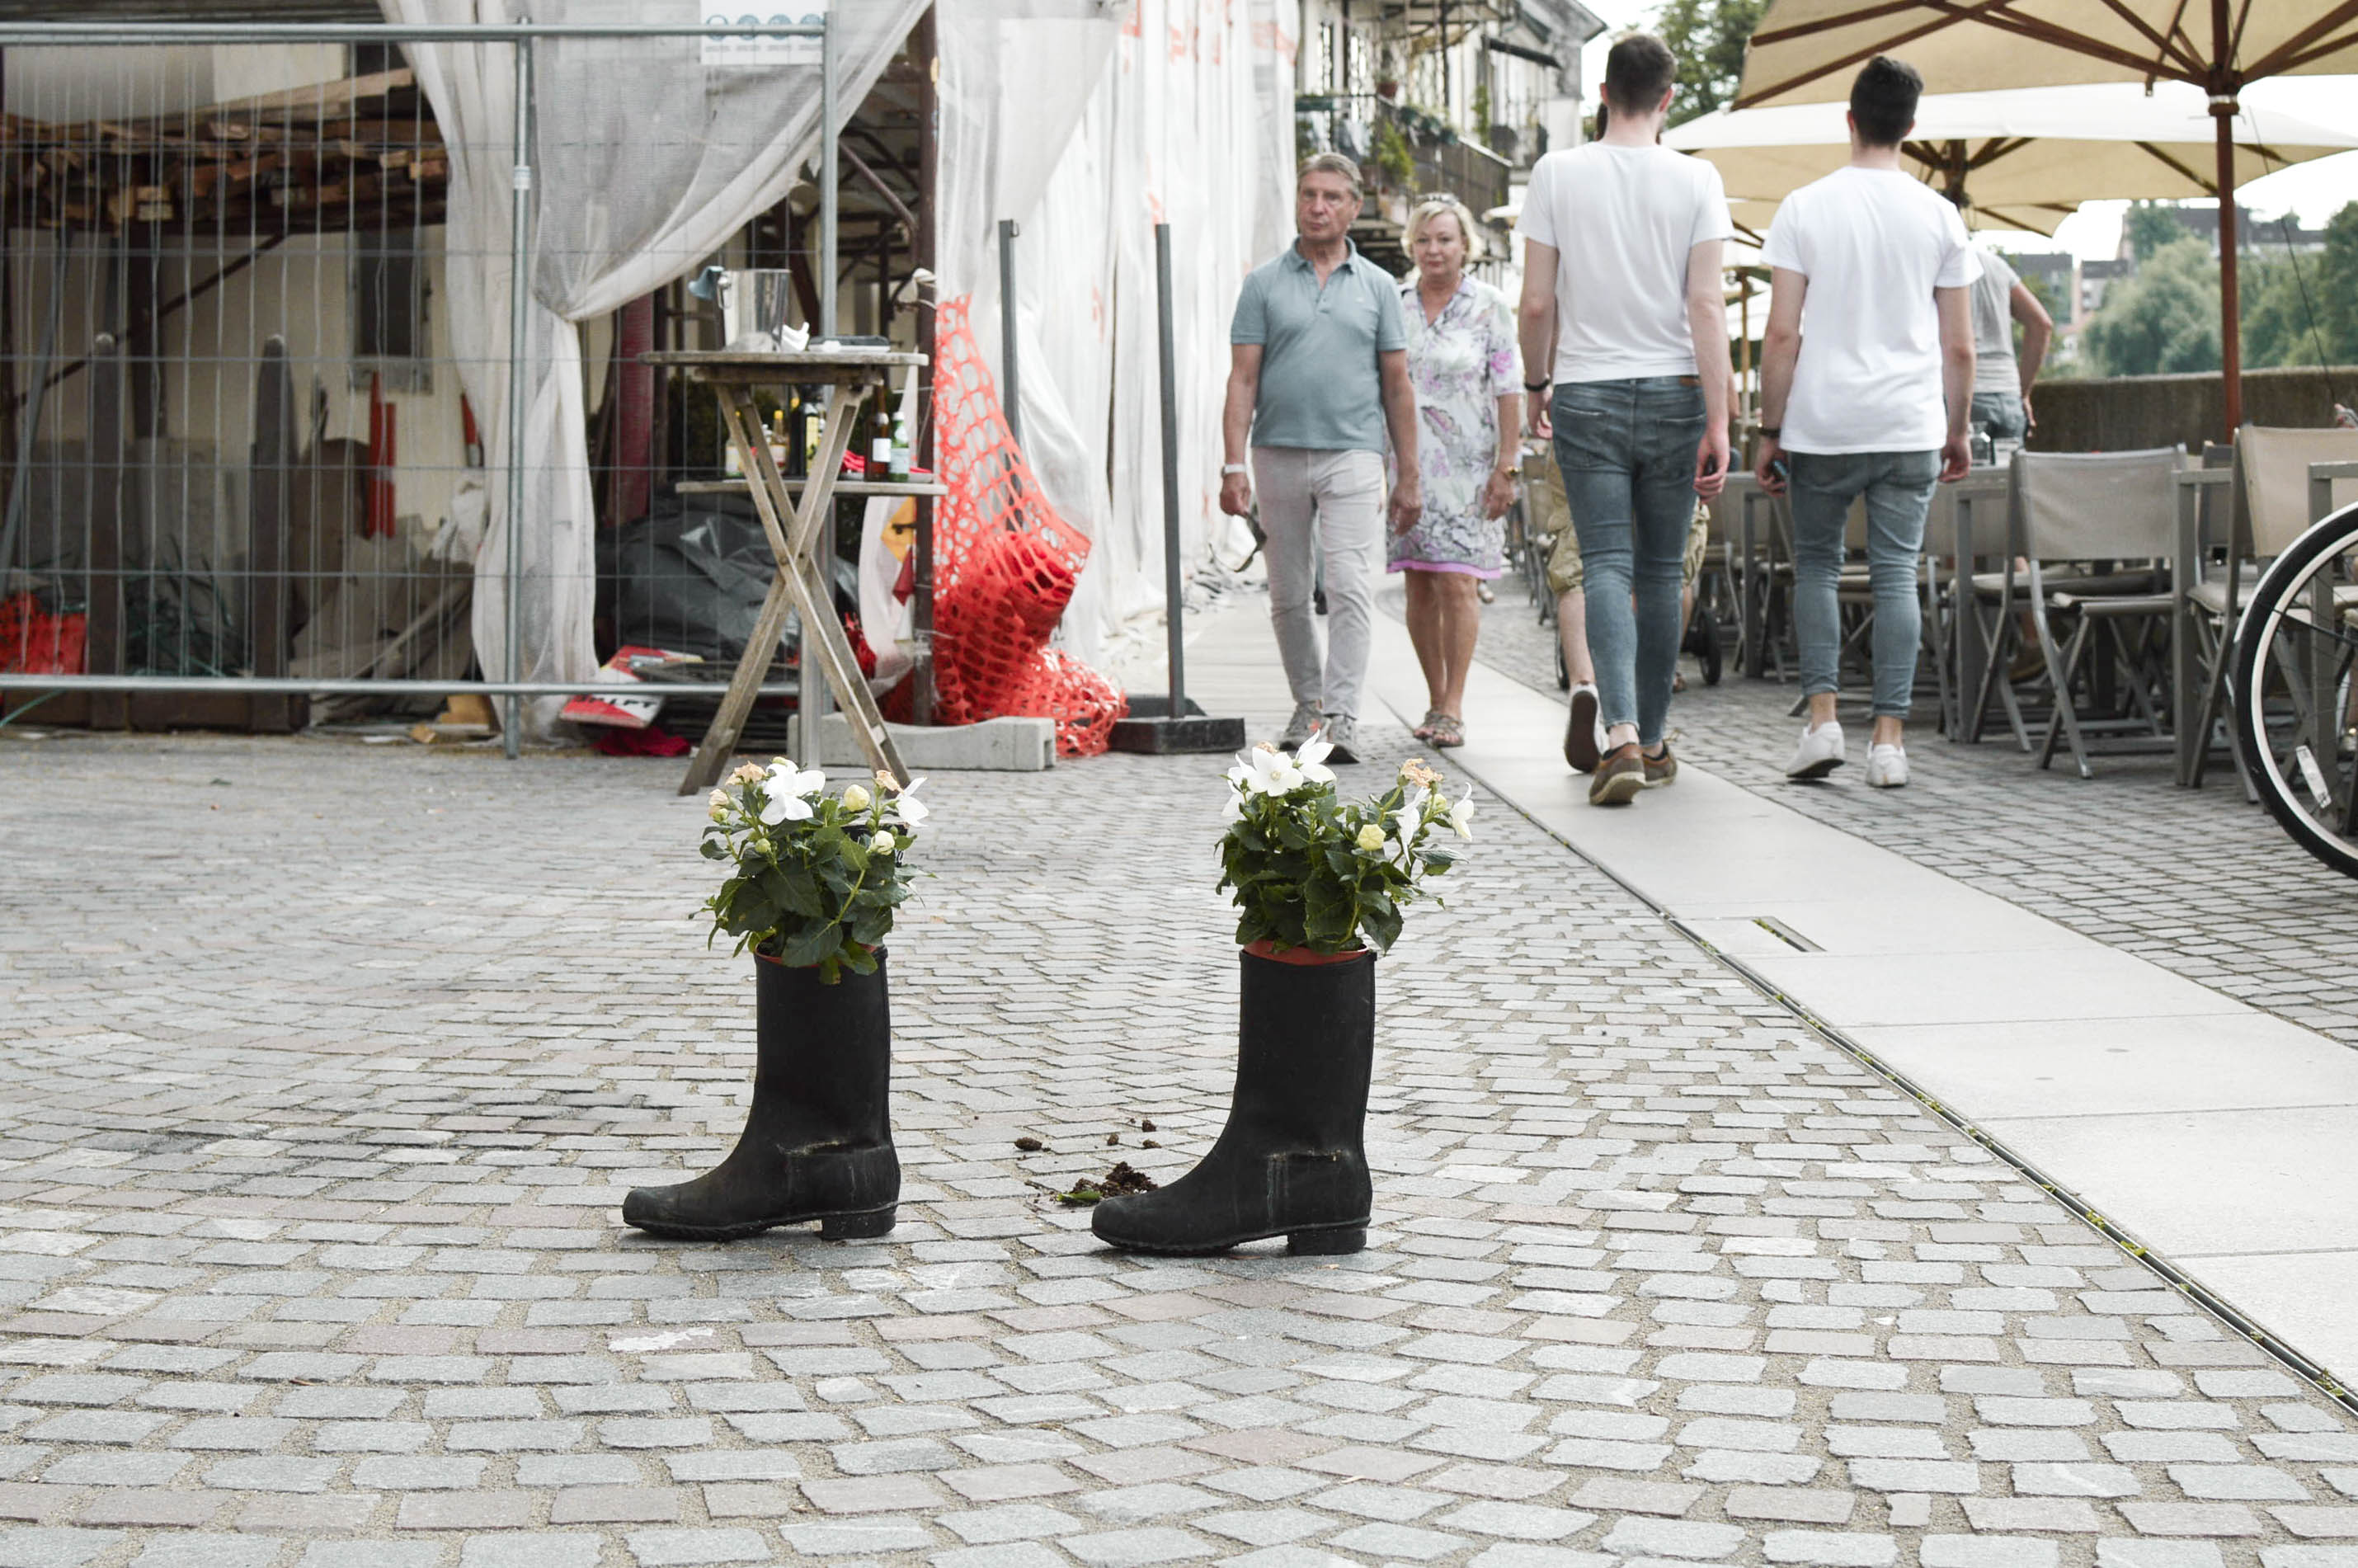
{"type": "Point", "coordinates": [35, 643]}
{"type": "Point", "coordinates": [1004, 567]}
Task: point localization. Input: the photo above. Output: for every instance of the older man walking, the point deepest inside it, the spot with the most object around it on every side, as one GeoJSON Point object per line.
{"type": "Point", "coordinates": [1317, 375]}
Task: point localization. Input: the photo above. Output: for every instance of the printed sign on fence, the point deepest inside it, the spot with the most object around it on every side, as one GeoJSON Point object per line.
{"type": "Point", "coordinates": [758, 49]}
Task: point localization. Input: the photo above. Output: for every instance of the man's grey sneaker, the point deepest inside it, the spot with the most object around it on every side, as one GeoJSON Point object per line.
{"type": "Point", "coordinates": [1342, 732]}
{"type": "Point", "coordinates": [1583, 733]}
{"type": "Point", "coordinates": [1300, 726]}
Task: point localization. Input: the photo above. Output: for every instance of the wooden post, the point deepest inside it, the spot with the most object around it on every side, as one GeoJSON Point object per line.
{"type": "Point", "coordinates": [269, 486]}
{"type": "Point", "coordinates": [103, 566]}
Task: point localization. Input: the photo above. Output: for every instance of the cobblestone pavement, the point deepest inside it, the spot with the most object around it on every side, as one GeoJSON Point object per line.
{"type": "Point", "coordinates": [2196, 880]}
{"type": "Point", "coordinates": [324, 1070]}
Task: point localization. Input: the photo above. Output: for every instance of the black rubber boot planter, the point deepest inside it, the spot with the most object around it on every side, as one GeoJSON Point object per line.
{"type": "Point", "coordinates": [819, 1143]}
{"type": "Point", "coordinates": [814, 880]}
{"type": "Point", "coordinates": [1292, 1161]}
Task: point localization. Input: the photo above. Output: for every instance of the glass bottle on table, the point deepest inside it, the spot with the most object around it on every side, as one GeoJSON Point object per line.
{"type": "Point", "coordinates": [880, 436]}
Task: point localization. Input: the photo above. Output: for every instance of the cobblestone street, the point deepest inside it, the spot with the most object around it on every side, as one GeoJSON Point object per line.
{"type": "Point", "coordinates": [325, 1067]}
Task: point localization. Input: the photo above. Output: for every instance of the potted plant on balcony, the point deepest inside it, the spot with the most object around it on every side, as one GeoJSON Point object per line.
{"type": "Point", "coordinates": [814, 880]}
{"type": "Point", "coordinates": [1319, 884]}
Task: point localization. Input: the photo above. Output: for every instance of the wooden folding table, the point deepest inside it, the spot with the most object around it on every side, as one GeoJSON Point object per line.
{"type": "Point", "coordinates": [794, 527]}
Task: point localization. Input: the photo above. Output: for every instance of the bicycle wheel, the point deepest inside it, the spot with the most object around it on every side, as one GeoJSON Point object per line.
{"type": "Point", "coordinates": [2294, 703]}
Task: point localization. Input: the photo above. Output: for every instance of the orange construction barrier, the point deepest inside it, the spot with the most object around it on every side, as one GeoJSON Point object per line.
{"type": "Point", "coordinates": [1004, 565]}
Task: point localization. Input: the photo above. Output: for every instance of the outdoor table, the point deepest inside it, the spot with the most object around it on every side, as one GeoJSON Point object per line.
{"type": "Point", "coordinates": [801, 535]}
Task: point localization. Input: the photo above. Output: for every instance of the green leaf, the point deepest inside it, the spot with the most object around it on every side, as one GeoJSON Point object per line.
{"type": "Point", "coordinates": [810, 945]}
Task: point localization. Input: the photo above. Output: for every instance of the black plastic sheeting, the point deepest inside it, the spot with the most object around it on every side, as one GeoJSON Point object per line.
{"type": "Point", "coordinates": [691, 576]}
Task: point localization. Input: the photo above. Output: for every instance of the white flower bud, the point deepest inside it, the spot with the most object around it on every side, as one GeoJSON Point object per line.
{"type": "Point", "coordinates": [856, 798]}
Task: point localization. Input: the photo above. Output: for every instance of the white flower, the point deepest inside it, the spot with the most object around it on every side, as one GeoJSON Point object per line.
{"type": "Point", "coordinates": [1310, 760]}
{"type": "Point", "coordinates": [1265, 770]}
{"type": "Point", "coordinates": [856, 798]}
{"type": "Point", "coordinates": [880, 842]}
{"type": "Point", "coordinates": [1236, 807]}
{"type": "Point", "coordinates": [911, 811]}
{"type": "Point", "coordinates": [1461, 816]}
{"type": "Point", "coordinates": [787, 791]}
{"type": "Point", "coordinates": [1371, 839]}
{"type": "Point", "coordinates": [1412, 803]}
{"type": "Point", "coordinates": [747, 773]}
{"type": "Point", "coordinates": [718, 801]}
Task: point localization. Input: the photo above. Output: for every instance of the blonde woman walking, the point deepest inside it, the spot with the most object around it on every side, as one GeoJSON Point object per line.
{"type": "Point", "coordinates": [1469, 417]}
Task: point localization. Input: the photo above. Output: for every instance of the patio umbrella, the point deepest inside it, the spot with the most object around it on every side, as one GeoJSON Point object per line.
{"type": "Point", "coordinates": [2021, 159]}
{"type": "Point", "coordinates": [1805, 51]}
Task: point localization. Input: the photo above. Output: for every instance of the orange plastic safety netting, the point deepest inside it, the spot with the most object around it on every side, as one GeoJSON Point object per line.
{"type": "Point", "coordinates": [1004, 565]}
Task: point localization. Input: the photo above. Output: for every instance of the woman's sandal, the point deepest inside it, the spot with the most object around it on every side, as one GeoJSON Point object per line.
{"type": "Point", "coordinates": [1449, 732]}
{"type": "Point", "coordinates": [1433, 716]}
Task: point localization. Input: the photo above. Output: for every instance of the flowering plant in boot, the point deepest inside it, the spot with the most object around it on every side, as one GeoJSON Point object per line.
{"type": "Point", "coordinates": [1309, 869]}
{"type": "Point", "coordinates": [815, 877]}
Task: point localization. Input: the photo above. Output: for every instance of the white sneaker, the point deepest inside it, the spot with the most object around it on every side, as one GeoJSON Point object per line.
{"type": "Point", "coordinates": [1887, 767]}
{"type": "Point", "coordinates": [1820, 752]}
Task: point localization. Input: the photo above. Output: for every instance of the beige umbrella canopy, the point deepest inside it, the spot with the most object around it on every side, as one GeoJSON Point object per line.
{"type": "Point", "coordinates": [1805, 51]}
{"type": "Point", "coordinates": [2023, 159]}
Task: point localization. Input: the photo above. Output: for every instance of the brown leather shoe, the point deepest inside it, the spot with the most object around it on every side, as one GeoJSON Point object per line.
{"type": "Point", "coordinates": [1619, 777]}
{"type": "Point", "coordinates": [1659, 770]}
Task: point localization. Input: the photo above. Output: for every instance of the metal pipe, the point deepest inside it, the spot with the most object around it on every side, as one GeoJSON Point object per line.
{"type": "Point", "coordinates": [1011, 400]}
{"type": "Point", "coordinates": [80, 34]}
{"type": "Point", "coordinates": [519, 310]}
{"type": "Point", "coordinates": [828, 237]}
{"type": "Point", "coordinates": [1174, 599]}
{"type": "Point", "coordinates": [298, 685]}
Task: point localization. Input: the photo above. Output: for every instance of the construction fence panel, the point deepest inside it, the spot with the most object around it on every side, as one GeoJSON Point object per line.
{"type": "Point", "coordinates": [257, 314]}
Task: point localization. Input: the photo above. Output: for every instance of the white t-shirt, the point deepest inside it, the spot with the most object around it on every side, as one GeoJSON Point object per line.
{"type": "Point", "coordinates": [1994, 368]}
{"type": "Point", "coordinates": [1874, 244]}
{"type": "Point", "coordinates": [1622, 221]}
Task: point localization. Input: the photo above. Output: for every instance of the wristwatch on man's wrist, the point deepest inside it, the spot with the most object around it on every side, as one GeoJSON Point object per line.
{"type": "Point", "coordinates": [1228, 469]}
{"type": "Point", "coordinates": [1774, 432]}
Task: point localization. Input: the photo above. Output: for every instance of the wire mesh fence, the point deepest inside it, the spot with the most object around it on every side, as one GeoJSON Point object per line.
{"type": "Point", "coordinates": [258, 313]}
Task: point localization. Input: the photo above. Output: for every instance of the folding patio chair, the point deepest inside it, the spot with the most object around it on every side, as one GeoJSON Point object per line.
{"type": "Point", "coordinates": [2114, 507]}
{"type": "Point", "coordinates": [2270, 507]}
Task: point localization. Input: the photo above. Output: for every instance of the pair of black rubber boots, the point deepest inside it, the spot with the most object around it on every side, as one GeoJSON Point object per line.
{"type": "Point", "coordinates": [818, 1141]}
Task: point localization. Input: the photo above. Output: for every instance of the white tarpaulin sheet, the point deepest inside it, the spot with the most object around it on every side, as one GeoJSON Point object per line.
{"type": "Point", "coordinates": [646, 160]}
{"type": "Point", "coordinates": [1087, 127]}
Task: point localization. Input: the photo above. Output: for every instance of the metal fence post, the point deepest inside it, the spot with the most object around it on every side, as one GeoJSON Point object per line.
{"type": "Point", "coordinates": [519, 309]}
{"type": "Point", "coordinates": [1011, 400]}
{"type": "Point", "coordinates": [826, 182]}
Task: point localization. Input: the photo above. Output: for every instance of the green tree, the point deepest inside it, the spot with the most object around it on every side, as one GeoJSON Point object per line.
{"type": "Point", "coordinates": [2150, 227]}
{"type": "Point", "coordinates": [2164, 320]}
{"type": "Point", "coordinates": [2303, 309]}
{"type": "Point", "coordinates": [1708, 36]}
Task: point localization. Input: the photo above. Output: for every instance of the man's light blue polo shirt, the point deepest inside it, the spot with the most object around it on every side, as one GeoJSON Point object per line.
{"type": "Point", "coordinates": [1320, 385]}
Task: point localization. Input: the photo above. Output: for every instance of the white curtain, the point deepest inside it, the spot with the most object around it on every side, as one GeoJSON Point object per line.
{"type": "Point", "coordinates": [1087, 133]}
{"type": "Point", "coordinates": [646, 160]}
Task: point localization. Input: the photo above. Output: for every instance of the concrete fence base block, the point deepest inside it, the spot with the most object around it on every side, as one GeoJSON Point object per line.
{"type": "Point", "coordinates": [994, 746]}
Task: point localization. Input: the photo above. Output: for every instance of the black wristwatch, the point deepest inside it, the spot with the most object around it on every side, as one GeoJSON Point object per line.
{"type": "Point", "coordinates": [1774, 432]}
{"type": "Point", "coordinates": [1536, 385]}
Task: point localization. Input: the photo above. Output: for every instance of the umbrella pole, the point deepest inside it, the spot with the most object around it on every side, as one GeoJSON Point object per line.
{"type": "Point", "coordinates": [2231, 303]}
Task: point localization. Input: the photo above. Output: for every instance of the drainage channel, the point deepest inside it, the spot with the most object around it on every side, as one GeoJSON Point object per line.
{"type": "Point", "coordinates": [2193, 1290]}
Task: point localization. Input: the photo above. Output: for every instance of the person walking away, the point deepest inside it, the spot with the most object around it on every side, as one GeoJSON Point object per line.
{"type": "Point", "coordinates": [1621, 274]}
{"type": "Point", "coordinates": [1866, 385]}
{"type": "Point", "coordinates": [1318, 377]}
{"type": "Point", "coordinates": [1469, 416]}
{"type": "Point", "coordinates": [2002, 378]}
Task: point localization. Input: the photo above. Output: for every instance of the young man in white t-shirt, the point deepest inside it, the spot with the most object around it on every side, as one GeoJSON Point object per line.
{"type": "Point", "coordinates": [1866, 380]}
{"type": "Point", "coordinates": [1621, 285]}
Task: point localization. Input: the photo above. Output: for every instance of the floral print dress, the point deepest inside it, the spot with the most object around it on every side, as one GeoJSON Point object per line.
{"type": "Point", "coordinates": [1460, 364]}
